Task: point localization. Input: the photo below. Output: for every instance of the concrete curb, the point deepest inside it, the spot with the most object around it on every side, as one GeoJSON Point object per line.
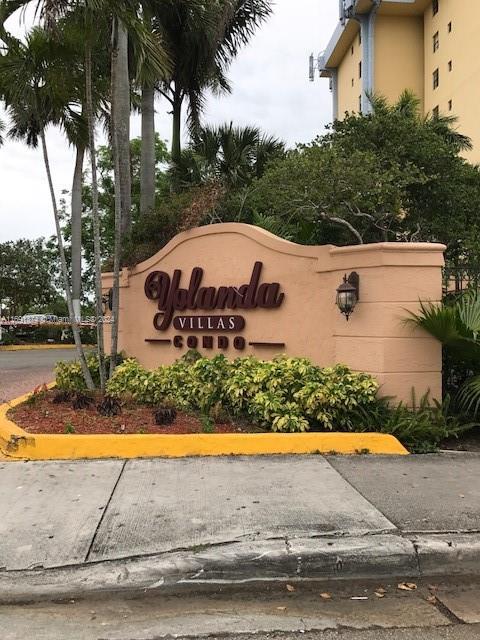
{"type": "Point", "coordinates": [38, 347]}
{"type": "Point", "coordinates": [17, 444]}
{"type": "Point", "coordinates": [367, 557]}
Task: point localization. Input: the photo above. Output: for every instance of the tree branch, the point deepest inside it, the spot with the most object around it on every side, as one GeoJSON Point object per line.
{"type": "Point", "coordinates": [343, 222]}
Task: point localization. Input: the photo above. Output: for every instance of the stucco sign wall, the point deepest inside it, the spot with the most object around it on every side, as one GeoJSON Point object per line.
{"type": "Point", "coordinates": [238, 290]}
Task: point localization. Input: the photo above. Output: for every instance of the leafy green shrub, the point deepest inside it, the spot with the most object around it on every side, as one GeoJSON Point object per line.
{"type": "Point", "coordinates": [9, 338]}
{"type": "Point", "coordinates": [68, 375]}
{"type": "Point", "coordinates": [420, 428]}
{"type": "Point", "coordinates": [285, 394]}
{"type": "Point", "coordinates": [131, 379]}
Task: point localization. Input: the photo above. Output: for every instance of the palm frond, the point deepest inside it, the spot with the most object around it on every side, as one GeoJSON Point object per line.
{"type": "Point", "coordinates": [241, 18]}
{"type": "Point", "coordinates": [469, 311]}
{"type": "Point", "coordinates": [469, 395]}
{"type": "Point", "coordinates": [408, 104]}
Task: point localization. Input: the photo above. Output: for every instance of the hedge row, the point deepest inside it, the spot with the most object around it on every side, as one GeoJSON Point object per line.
{"type": "Point", "coordinates": [285, 394]}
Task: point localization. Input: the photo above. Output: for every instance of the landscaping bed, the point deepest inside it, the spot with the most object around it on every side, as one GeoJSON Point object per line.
{"type": "Point", "coordinates": [44, 415]}
{"type": "Point", "coordinates": [469, 441]}
{"type": "Point", "coordinates": [198, 395]}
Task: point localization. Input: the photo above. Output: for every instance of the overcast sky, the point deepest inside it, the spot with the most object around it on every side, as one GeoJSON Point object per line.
{"type": "Point", "coordinates": [270, 89]}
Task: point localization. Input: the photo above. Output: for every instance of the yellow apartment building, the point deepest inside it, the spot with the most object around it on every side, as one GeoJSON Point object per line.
{"type": "Point", "coordinates": [427, 46]}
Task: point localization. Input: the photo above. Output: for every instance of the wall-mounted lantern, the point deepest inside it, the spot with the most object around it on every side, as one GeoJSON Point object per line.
{"type": "Point", "coordinates": [348, 294]}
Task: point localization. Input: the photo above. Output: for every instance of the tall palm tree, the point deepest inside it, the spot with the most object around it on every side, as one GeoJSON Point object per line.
{"type": "Point", "coordinates": [78, 25]}
{"type": "Point", "coordinates": [203, 39]}
{"type": "Point", "coordinates": [76, 213]}
{"type": "Point", "coordinates": [125, 22]}
{"type": "Point", "coordinates": [34, 84]}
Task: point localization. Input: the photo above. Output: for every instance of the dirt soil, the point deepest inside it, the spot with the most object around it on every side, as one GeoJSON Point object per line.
{"type": "Point", "coordinates": [469, 441]}
{"type": "Point", "coordinates": [44, 416]}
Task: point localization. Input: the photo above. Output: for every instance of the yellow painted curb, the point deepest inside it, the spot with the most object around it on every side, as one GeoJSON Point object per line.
{"type": "Point", "coordinates": [35, 347]}
{"type": "Point", "coordinates": [17, 444]}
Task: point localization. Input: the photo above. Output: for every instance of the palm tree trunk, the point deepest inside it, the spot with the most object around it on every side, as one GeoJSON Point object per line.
{"type": "Point", "coordinates": [95, 216]}
{"type": "Point", "coordinates": [121, 98]}
{"type": "Point", "coordinates": [147, 160]}
{"type": "Point", "coordinates": [177, 127]}
{"type": "Point", "coordinates": [63, 262]}
{"type": "Point", "coordinates": [118, 195]}
{"type": "Point", "coordinates": [77, 230]}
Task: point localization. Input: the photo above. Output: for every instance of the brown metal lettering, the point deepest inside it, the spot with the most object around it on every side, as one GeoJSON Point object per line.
{"type": "Point", "coordinates": [171, 298]}
{"type": "Point", "coordinates": [209, 323]}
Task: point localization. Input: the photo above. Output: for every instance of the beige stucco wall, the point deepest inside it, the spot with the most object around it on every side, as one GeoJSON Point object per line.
{"type": "Point", "coordinates": [399, 56]}
{"type": "Point", "coordinates": [349, 92]}
{"type": "Point", "coordinates": [393, 277]}
{"type": "Point", "coordinates": [462, 84]}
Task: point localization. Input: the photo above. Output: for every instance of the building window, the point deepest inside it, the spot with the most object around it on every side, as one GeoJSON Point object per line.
{"type": "Point", "coordinates": [436, 112]}
{"type": "Point", "coordinates": [353, 82]}
{"type": "Point", "coordinates": [360, 69]}
{"type": "Point", "coordinates": [436, 78]}
{"type": "Point", "coordinates": [449, 27]}
{"type": "Point", "coordinates": [359, 104]}
{"type": "Point", "coordinates": [436, 42]}
{"type": "Point", "coordinates": [450, 65]}
{"type": "Point", "coordinates": [450, 105]}
{"type": "Point", "coordinates": [435, 7]}
{"type": "Point", "coordinates": [352, 50]}
{"type": "Point", "coordinates": [360, 37]}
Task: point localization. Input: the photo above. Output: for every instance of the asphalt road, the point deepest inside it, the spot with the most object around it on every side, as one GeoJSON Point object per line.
{"type": "Point", "coordinates": [352, 611]}
{"type": "Point", "coordinates": [449, 633]}
{"type": "Point", "coordinates": [22, 371]}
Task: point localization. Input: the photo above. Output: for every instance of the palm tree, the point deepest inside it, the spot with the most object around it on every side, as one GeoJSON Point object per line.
{"type": "Point", "coordinates": [125, 21]}
{"type": "Point", "coordinates": [76, 209]}
{"type": "Point", "coordinates": [457, 326]}
{"type": "Point", "coordinates": [203, 39]}
{"type": "Point", "coordinates": [36, 90]}
{"type": "Point", "coordinates": [233, 155]}
{"type": "Point", "coordinates": [409, 105]}
{"type": "Point", "coordinates": [79, 25]}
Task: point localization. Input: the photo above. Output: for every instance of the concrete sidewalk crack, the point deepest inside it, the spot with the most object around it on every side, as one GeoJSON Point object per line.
{"type": "Point", "coordinates": [447, 612]}
{"type": "Point", "coordinates": [102, 517]}
{"type": "Point", "coordinates": [362, 494]}
{"type": "Point", "coordinates": [417, 556]}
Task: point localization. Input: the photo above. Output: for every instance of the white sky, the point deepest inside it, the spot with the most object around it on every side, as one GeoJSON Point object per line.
{"type": "Point", "coordinates": [270, 89]}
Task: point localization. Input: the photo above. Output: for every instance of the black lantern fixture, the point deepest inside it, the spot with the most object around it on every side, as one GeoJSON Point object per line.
{"type": "Point", "coordinates": [348, 294]}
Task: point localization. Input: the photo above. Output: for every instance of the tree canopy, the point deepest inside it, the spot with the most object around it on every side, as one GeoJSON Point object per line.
{"type": "Point", "coordinates": [26, 282]}
{"type": "Point", "coordinates": [392, 175]}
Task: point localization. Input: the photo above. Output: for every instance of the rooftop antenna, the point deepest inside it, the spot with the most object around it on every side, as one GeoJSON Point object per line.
{"type": "Point", "coordinates": [313, 65]}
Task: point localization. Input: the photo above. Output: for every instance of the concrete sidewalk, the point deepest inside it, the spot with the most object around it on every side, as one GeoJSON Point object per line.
{"type": "Point", "coordinates": [72, 527]}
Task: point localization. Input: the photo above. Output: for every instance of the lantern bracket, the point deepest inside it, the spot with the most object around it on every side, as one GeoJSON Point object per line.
{"type": "Point", "coordinates": [354, 280]}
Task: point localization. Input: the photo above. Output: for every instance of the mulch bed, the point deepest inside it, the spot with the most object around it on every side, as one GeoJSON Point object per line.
{"type": "Point", "coordinates": [469, 441]}
{"type": "Point", "coordinates": [44, 416]}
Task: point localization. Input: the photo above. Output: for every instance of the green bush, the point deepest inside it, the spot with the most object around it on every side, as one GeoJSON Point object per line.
{"type": "Point", "coordinates": [9, 338]}
{"type": "Point", "coordinates": [420, 428]}
{"type": "Point", "coordinates": [285, 394]}
{"type": "Point", "coordinates": [68, 375]}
